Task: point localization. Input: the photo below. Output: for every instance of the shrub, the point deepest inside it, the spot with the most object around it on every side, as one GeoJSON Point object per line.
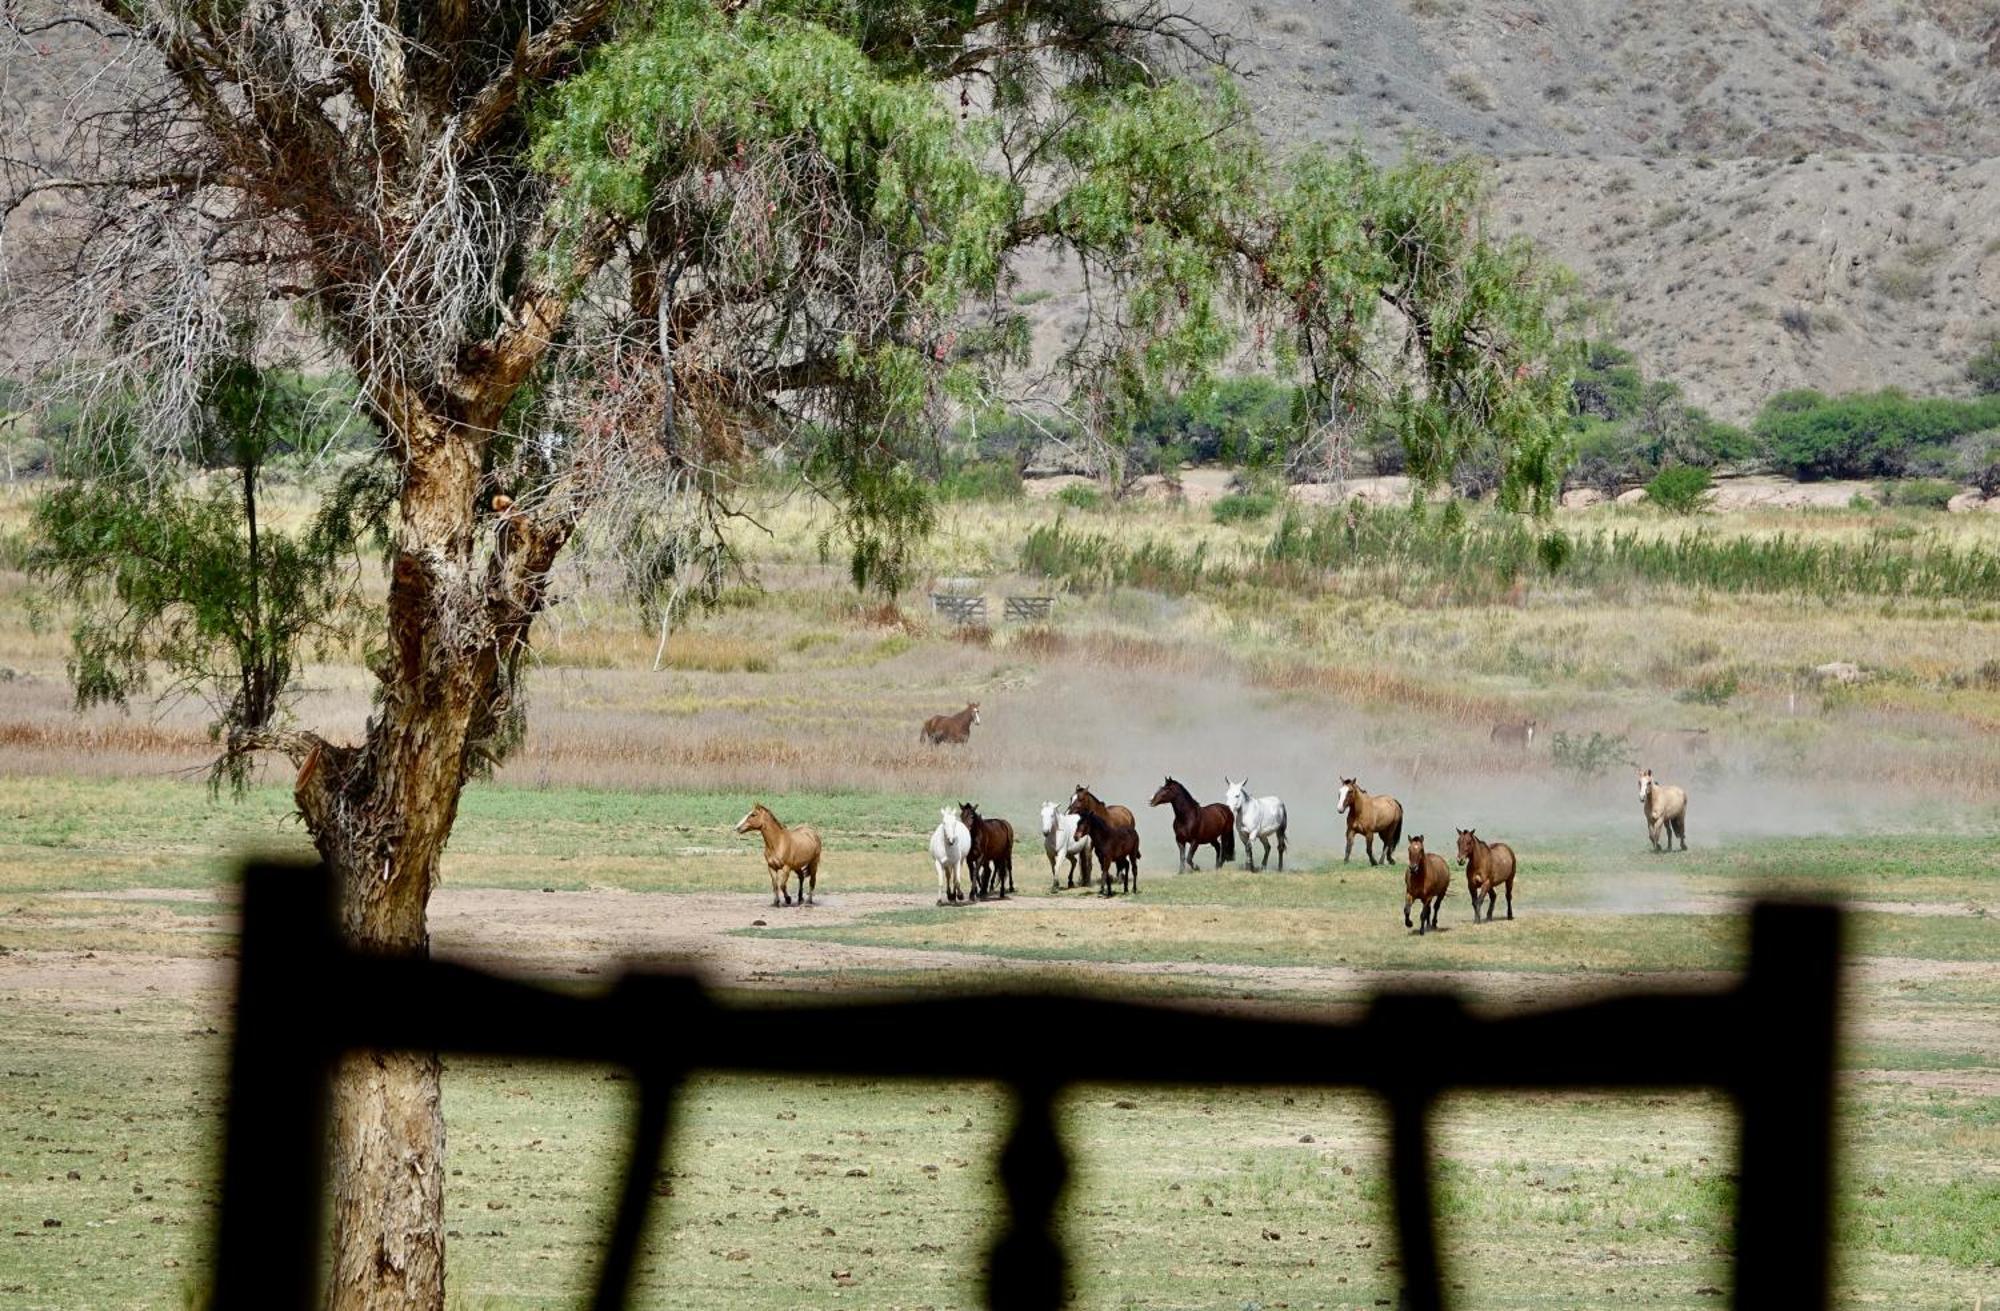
{"type": "Point", "coordinates": [1683, 489]}
{"type": "Point", "coordinates": [1078, 497]}
{"type": "Point", "coordinates": [1975, 458]}
{"type": "Point", "coordinates": [1919, 493]}
{"type": "Point", "coordinates": [1589, 757]}
{"type": "Point", "coordinates": [1982, 370]}
{"type": "Point", "coordinates": [1883, 434]}
{"type": "Point", "coordinates": [1710, 690]}
{"type": "Point", "coordinates": [982, 480]}
{"type": "Point", "coordinates": [1245, 507]}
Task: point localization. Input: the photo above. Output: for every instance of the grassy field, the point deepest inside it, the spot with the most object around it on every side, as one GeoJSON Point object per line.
{"type": "Point", "coordinates": [608, 839]}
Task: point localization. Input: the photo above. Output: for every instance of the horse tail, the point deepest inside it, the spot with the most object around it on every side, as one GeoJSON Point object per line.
{"type": "Point", "coordinates": [1394, 833]}
{"type": "Point", "coordinates": [1229, 840]}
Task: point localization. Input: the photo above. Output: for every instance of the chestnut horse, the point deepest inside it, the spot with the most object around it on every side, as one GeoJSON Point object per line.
{"type": "Point", "coordinates": [1197, 826]}
{"type": "Point", "coordinates": [1427, 880]}
{"type": "Point", "coordinates": [992, 856]}
{"type": "Point", "coordinates": [785, 850]}
{"type": "Point", "coordinates": [1116, 847]}
{"type": "Point", "coordinates": [1116, 816]}
{"type": "Point", "coordinates": [1370, 816]}
{"type": "Point", "coordinates": [1666, 809]}
{"type": "Point", "coordinates": [955, 729]}
{"type": "Point", "coordinates": [1488, 866]}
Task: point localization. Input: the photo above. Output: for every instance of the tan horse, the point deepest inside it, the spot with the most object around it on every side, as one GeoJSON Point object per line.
{"type": "Point", "coordinates": [1666, 809]}
{"type": "Point", "coordinates": [1370, 816]}
{"type": "Point", "coordinates": [1426, 881]}
{"type": "Point", "coordinates": [955, 729]}
{"type": "Point", "coordinates": [786, 850]}
{"type": "Point", "coordinates": [1519, 734]}
{"type": "Point", "coordinates": [1488, 866]}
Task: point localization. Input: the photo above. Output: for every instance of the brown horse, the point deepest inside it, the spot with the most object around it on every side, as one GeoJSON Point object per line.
{"type": "Point", "coordinates": [1197, 826]}
{"type": "Point", "coordinates": [992, 855]}
{"type": "Point", "coordinates": [785, 850]}
{"type": "Point", "coordinates": [1116, 816]}
{"type": "Point", "coordinates": [1519, 734]}
{"type": "Point", "coordinates": [955, 729]}
{"type": "Point", "coordinates": [1370, 817]}
{"type": "Point", "coordinates": [1116, 847]}
{"type": "Point", "coordinates": [1666, 809]}
{"type": "Point", "coordinates": [1427, 880]}
{"type": "Point", "coordinates": [1488, 867]}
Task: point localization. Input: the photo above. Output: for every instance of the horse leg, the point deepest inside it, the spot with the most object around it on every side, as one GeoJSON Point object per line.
{"type": "Point", "coordinates": [1510, 902]}
{"type": "Point", "coordinates": [1406, 909]}
{"type": "Point", "coordinates": [1350, 853]}
{"type": "Point", "coordinates": [1266, 841]}
{"type": "Point", "coordinates": [1368, 845]}
{"type": "Point", "coordinates": [1681, 831]}
{"type": "Point", "coordinates": [1281, 851]}
{"type": "Point", "coordinates": [773, 869]}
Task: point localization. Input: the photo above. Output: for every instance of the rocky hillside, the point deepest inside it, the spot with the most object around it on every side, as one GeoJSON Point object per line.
{"type": "Point", "coordinates": [1758, 195]}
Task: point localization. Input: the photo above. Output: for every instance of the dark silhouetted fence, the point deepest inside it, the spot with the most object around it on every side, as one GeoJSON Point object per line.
{"type": "Point", "coordinates": [303, 1000]}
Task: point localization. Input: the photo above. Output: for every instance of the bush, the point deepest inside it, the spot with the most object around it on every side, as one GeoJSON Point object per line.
{"type": "Point", "coordinates": [1919, 493]}
{"type": "Point", "coordinates": [1682, 489]}
{"type": "Point", "coordinates": [1975, 458]}
{"type": "Point", "coordinates": [1078, 497]}
{"type": "Point", "coordinates": [982, 480]}
{"type": "Point", "coordinates": [1884, 434]}
{"type": "Point", "coordinates": [1245, 507]}
{"type": "Point", "coordinates": [1589, 757]}
{"type": "Point", "coordinates": [1710, 690]}
{"type": "Point", "coordinates": [1982, 370]}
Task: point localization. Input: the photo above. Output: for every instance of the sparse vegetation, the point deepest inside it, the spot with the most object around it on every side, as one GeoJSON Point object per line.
{"type": "Point", "coordinates": [1681, 489]}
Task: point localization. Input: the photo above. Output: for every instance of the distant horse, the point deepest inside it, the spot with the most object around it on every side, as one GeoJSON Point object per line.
{"type": "Point", "coordinates": [1196, 825]}
{"type": "Point", "coordinates": [951, 849]}
{"type": "Point", "coordinates": [1116, 816]}
{"type": "Point", "coordinates": [1519, 734]}
{"type": "Point", "coordinates": [1488, 867]}
{"type": "Point", "coordinates": [1426, 881]}
{"type": "Point", "coordinates": [1258, 819]}
{"type": "Point", "coordinates": [955, 729]}
{"type": "Point", "coordinates": [992, 856]}
{"type": "Point", "coordinates": [1666, 809]}
{"type": "Point", "coordinates": [1371, 816]}
{"type": "Point", "coordinates": [1117, 849]}
{"type": "Point", "coordinates": [786, 850]}
{"type": "Point", "coordinates": [1060, 839]}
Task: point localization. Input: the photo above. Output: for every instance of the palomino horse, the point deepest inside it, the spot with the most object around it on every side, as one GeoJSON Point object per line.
{"type": "Point", "coordinates": [1519, 734]}
{"type": "Point", "coordinates": [1666, 809]}
{"type": "Point", "coordinates": [992, 856]}
{"type": "Point", "coordinates": [786, 850]}
{"type": "Point", "coordinates": [1116, 816]}
{"type": "Point", "coordinates": [955, 729]}
{"type": "Point", "coordinates": [1426, 880]}
{"type": "Point", "coordinates": [1061, 839]}
{"type": "Point", "coordinates": [1371, 816]}
{"type": "Point", "coordinates": [1488, 867]}
{"type": "Point", "coordinates": [1197, 826]}
{"type": "Point", "coordinates": [1258, 819]}
{"type": "Point", "coordinates": [951, 848]}
{"type": "Point", "coordinates": [1117, 848]}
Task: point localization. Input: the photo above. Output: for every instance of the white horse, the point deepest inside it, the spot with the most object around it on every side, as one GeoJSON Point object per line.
{"type": "Point", "coordinates": [1060, 839]}
{"type": "Point", "coordinates": [951, 845]}
{"type": "Point", "coordinates": [1256, 817]}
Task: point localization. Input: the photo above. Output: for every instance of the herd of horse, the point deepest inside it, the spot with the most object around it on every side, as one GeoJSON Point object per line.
{"type": "Point", "coordinates": [973, 854]}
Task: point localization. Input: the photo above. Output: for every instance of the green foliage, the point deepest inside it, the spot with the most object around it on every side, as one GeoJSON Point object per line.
{"type": "Point", "coordinates": [1628, 429]}
{"type": "Point", "coordinates": [1975, 458]}
{"type": "Point", "coordinates": [1681, 489]}
{"type": "Point", "coordinates": [981, 480]}
{"type": "Point", "coordinates": [1982, 370]}
{"type": "Point", "coordinates": [1250, 421]}
{"type": "Point", "coordinates": [1713, 689]}
{"type": "Point", "coordinates": [1884, 434]}
{"type": "Point", "coordinates": [1079, 497]}
{"type": "Point", "coordinates": [1919, 493]}
{"type": "Point", "coordinates": [1244, 507]}
{"type": "Point", "coordinates": [1589, 757]}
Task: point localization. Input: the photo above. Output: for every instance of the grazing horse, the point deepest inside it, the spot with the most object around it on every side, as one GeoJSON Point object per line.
{"type": "Point", "coordinates": [1427, 880]}
{"type": "Point", "coordinates": [1196, 825]}
{"type": "Point", "coordinates": [1371, 816]}
{"type": "Point", "coordinates": [1117, 848]}
{"type": "Point", "coordinates": [1519, 734]}
{"type": "Point", "coordinates": [1257, 819]}
{"type": "Point", "coordinates": [955, 729]}
{"type": "Point", "coordinates": [992, 856]}
{"type": "Point", "coordinates": [1060, 838]}
{"type": "Point", "coordinates": [1116, 816]}
{"type": "Point", "coordinates": [951, 849]}
{"type": "Point", "coordinates": [1666, 809]}
{"type": "Point", "coordinates": [1488, 866]}
{"type": "Point", "coordinates": [786, 850]}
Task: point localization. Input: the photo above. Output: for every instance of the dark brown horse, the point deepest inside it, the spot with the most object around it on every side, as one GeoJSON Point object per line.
{"type": "Point", "coordinates": [1116, 816]}
{"type": "Point", "coordinates": [1426, 880]}
{"type": "Point", "coordinates": [1488, 866]}
{"type": "Point", "coordinates": [1518, 734]}
{"type": "Point", "coordinates": [1197, 826]}
{"type": "Point", "coordinates": [955, 729]}
{"type": "Point", "coordinates": [1116, 847]}
{"type": "Point", "coordinates": [992, 857]}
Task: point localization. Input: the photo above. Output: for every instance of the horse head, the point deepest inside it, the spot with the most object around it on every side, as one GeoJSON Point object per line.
{"type": "Point", "coordinates": [756, 818]}
{"type": "Point", "coordinates": [973, 706]}
{"type": "Point", "coordinates": [1048, 818]}
{"type": "Point", "coordinates": [1466, 843]}
{"type": "Point", "coordinates": [968, 814]}
{"type": "Point", "coordinates": [1415, 851]}
{"type": "Point", "coordinates": [1645, 784]}
{"type": "Point", "coordinates": [1164, 796]}
{"type": "Point", "coordinates": [1347, 791]}
{"type": "Point", "coordinates": [1237, 796]}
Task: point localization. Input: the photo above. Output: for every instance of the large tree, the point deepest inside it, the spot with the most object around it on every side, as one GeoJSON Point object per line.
{"type": "Point", "coordinates": [582, 258]}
